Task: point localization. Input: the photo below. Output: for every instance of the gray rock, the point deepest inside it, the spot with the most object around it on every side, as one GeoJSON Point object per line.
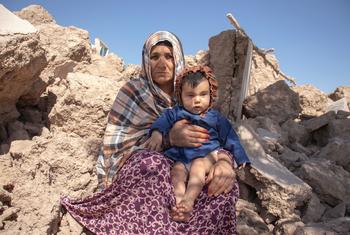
{"type": "Point", "coordinates": [279, 190]}
{"type": "Point", "coordinates": [339, 128]}
{"type": "Point", "coordinates": [329, 181]}
{"type": "Point", "coordinates": [277, 101]}
{"type": "Point", "coordinates": [313, 101]}
{"type": "Point", "coordinates": [314, 210]}
{"type": "Point", "coordinates": [339, 226]}
{"type": "Point", "coordinates": [318, 122]}
{"type": "Point", "coordinates": [36, 15]}
{"type": "Point", "coordinates": [335, 212]}
{"type": "Point", "coordinates": [296, 132]}
{"type": "Point", "coordinates": [338, 151]}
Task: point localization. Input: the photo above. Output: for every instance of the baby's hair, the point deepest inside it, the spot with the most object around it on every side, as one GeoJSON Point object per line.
{"type": "Point", "coordinates": [193, 79]}
{"type": "Point", "coordinates": [193, 76]}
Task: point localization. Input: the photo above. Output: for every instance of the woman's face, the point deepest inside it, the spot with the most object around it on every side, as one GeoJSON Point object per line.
{"type": "Point", "coordinates": [162, 67]}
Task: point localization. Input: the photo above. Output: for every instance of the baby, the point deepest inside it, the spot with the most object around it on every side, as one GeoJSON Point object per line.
{"type": "Point", "coordinates": [195, 90]}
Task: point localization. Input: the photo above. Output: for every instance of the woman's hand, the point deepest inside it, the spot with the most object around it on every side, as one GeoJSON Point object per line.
{"type": "Point", "coordinates": [221, 175]}
{"type": "Point", "coordinates": [154, 142]}
{"type": "Point", "coordinates": [184, 134]}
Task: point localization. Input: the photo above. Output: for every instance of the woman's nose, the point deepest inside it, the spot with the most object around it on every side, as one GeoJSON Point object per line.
{"type": "Point", "coordinates": [161, 61]}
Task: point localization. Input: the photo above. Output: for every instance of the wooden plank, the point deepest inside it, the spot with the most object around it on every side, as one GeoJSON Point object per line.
{"type": "Point", "coordinates": [245, 81]}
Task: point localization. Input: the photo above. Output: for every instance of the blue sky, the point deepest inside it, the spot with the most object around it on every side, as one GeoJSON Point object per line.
{"type": "Point", "coordinates": [311, 38]}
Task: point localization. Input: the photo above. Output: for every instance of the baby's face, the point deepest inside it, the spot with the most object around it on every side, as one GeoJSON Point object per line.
{"type": "Point", "coordinates": [196, 99]}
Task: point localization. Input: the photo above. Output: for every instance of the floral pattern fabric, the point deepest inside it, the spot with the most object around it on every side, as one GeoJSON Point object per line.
{"type": "Point", "coordinates": [139, 202]}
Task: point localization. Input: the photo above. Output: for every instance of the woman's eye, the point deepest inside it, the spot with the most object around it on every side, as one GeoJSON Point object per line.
{"type": "Point", "coordinates": [154, 57]}
{"type": "Point", "coordinates": [168, 56]}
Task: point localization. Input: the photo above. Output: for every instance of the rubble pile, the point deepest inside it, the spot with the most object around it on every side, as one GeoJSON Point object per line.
{"type": "Point", "coordinates": [55, 95]}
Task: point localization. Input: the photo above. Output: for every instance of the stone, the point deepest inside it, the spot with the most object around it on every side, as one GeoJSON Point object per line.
{"type": "Point", "coordinates": [329, 181]}
{"type": "Point", "coordinates": [314, 210]}
{"type": "Point", "coordinates": [292, 160]}
{"type": "Point", "coordinates": [201, 58]}
{"type": "Point", "coordinates": [5, 197]}
{"type": "Point", "coordinates": [296, 132]}
{"type": "Point", "coordinates": [36, 15]}
{"type": "Point", "coordinates": [110, 66]}
{"type": "Point", "coordinates": [9, 214]}
{"type": "Point", "coordinates": [3, 134]}
{"type": "Point", "coordinates": [4, 148]}
{"type": "Point", "coordinates": [338, 151]}
{"type": "Point", "coordinates": [318, 122]}
{"type": "Point", "coordinates": [21, 149]}
{"type": "Point", "coordinates": [31, 114]}
{"type": "Point", "coordinates": [248, 220]}
{"type": "Point", "coordinates": [91, 95]}
{"type": "Point", "coordinates": [289, 226]}
{"type": "Point", "coordinates": [297, 147]}
{"type": "Point", "coordinates": [262, 73]}
{"type": "Point", "coordinates": [313, 101]}
{"type": "Point", "coordinates": [33, 128]}
{"type": "Point", "coordinates": [339, 128]}
{"type": "Point", "coordinates": [277, 101]}
{"type": "Point", "coordinates": [17, 131]}
{"type": "Point", "coordinates": [130, 72]}
{"type": "Point", "coordinates": [22, 60]}
{"type": "Point", "coordinates": [279, 190]}
{"type": "Point", "coordinates": [336, 212]}
{"type": "Point", "coordinates": [339, 226]}
{"type": "Point", "coordinates": [342, 114]}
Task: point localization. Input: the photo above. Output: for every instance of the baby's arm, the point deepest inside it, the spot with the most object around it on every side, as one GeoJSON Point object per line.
{"type": "Point", "coordinates": [230, 141]}
{"type": "Point", "coordinates": [154, 142]}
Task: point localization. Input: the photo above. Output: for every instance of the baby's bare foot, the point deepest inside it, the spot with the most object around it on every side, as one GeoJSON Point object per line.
{"type": "Point", "coordinates": [184, 210]}
{"type": "Point", "coordinates": [175, 214]}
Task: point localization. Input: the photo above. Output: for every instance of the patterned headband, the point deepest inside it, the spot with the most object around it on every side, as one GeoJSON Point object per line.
{"type": "Point", "coordinates": [207, 73]}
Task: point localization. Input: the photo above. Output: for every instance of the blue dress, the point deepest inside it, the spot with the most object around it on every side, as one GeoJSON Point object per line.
{"type": "Point", "coordinates": [221, 133]}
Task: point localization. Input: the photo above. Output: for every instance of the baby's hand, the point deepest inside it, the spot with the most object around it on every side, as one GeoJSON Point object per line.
{"type": "Point", "coordinates": [154, 142]}
{"type": "Point", "coordinates": [242, 166]}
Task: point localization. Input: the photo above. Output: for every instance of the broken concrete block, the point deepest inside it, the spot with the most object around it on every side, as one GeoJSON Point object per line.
{"type": "Point", "coordinates": [338, 151]}
{"type": "Point", "coordinates": [329, 181]}
{"type": "Point", "coordinates": [314, 210]}
{"type": "Point", "coordinates": [313, 101]}
{"type": "Point", "coordinates": [339, 128]}
{"type": "Point", "coordinates": [279, 190]}
{"type": "Point", "coordinates": [318, 122]}
{"type": "Point", "coordinates": [296, 132]}
{"type": "Point", "coordinates": [277, 101]}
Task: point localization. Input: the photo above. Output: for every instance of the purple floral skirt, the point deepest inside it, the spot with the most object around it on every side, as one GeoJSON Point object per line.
{"type": "Point", "coordinates": [139, 202]}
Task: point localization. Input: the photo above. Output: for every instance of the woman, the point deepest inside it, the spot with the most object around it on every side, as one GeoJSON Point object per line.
{"type": "Point", "coordinates": [137, 194]}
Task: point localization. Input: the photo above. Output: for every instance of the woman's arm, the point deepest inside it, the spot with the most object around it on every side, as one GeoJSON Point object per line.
{"type": "Point", "coordinates": [221, 175]}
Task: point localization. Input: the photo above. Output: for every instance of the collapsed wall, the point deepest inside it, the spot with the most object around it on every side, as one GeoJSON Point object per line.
{"type": "Point", "coordinates": [52, 122]}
